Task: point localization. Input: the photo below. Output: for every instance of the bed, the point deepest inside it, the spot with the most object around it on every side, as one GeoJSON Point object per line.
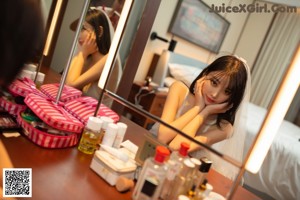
{"type": "Point", "coordinates": [279, 176]}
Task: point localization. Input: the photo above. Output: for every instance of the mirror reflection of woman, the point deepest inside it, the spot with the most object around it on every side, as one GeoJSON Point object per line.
{"type": "Point", "coordinates": [92, 50]}
{"type": "Point", "coordinates": [207, 109]}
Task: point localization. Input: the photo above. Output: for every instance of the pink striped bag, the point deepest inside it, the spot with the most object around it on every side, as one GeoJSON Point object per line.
{"type": "Point", "coordinates": [55, 116]}
{"type": "Point", "coordinates": [11, 107]}
{"type": "Point", "coordinates": [19, 87]}
{"type": "Point", "coordinates": [84, 107]}
{"type": "Point", "coordinates": [22, 87]}
{"type": "Point", "coordinates": [68, 92]}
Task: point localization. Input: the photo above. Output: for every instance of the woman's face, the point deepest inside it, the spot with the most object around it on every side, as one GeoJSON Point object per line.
{"type": "Point", "coordinates": [85, 31]}
{"type": "Point", "coordinates": [215, 88]}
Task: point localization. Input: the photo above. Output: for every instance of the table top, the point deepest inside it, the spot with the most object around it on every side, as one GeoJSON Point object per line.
{"type": "Point", "coordinates": [66, 174]}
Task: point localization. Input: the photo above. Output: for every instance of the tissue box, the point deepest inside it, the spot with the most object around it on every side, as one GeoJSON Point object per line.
{"type": "Point", "coordinates": [110, 168]}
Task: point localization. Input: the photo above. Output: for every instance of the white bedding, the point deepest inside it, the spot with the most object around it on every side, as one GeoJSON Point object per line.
{"type": "Point", "coordinates": [279, 175]}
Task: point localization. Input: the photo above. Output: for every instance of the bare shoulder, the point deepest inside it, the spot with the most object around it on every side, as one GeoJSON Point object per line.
{"type": "Point", "coordinates": [227, 128]}
{"type": "Point", "coordinates": [179, 86]}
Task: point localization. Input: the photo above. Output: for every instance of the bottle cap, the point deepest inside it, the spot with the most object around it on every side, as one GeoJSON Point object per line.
{"type": "Point", "coordinates": [189, 163]}
{"type": "Point", "coordinates": [94, 123]}
{"type": "Point", "coordinates": [205, 165]}
{"type": "Point", "coordinates": [196, 161]}
{"type": "Point", "coordinates": [122, 127]}
{"type": "Point", "coordinates": [183, 197]}
{"type": "Point", "coordinates": [111, 128]}
{"type": "Point", "coordinates": [40, 77]}
{"type": "Point", "coordinates": [161, 154]}
{"type": "Point", "coordinates": [184, 147]}
{"type": "Point", "coordinates": [106, 121]}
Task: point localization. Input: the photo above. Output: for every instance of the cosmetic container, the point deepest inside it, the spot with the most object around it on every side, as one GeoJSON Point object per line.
{"type": "Point", "coordinates": [152, 176]}
{"type": "Point", "coordinates": [90, 136]}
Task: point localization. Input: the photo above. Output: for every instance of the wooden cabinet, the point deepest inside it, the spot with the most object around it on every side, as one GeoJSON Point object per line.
{"type": "Point", "coordinates": [149, 99]}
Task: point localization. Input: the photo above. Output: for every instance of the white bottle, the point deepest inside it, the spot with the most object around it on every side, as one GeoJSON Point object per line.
{"type": "Point", "coordinates": [106, 121]}
{"type": "Point", "coordinates": [110, 135]}
{"type": "Point", "coordinates": [122, 127]}
{"type": "Point", "coordinates": [152, 176]}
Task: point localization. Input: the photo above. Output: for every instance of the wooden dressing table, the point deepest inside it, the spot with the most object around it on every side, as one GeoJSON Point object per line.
{"type": "Point", "coordinates": [65, 173]}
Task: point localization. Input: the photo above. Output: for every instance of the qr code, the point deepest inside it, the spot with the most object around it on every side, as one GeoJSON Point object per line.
{"type": "Point", "coordinates": [17, 182]}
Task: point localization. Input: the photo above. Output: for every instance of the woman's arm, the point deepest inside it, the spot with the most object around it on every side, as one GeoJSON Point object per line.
{"type": "Point", "coordinates": [76, 77]}
{"type": "Point", "coordinates": [5, 162]}
{"type": "Point", "coordinates": [91, 75]}
{"type": "Point", "coordinates": [175, 98]}
{"type": "Point", "coordinates": [212, 136]}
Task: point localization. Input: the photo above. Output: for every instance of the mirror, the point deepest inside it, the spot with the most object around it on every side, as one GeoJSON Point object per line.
{"type": "Point", "coordinates": [241, 49]}
{"type": "Point", "coordinates": [207, 57]}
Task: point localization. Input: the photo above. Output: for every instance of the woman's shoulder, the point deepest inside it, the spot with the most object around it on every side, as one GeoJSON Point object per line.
{"type": "Point", "coordinates": [178, 85]}
{"type": "Point", "coordinates": [227, 127]}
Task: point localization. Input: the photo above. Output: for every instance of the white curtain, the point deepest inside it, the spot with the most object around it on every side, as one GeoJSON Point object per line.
{"type": "Point", "coordinates": [275, 57]}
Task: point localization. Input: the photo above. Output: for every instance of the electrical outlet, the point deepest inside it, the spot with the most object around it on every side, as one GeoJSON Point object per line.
{"type": "Point", "coordinates": [147, 149]}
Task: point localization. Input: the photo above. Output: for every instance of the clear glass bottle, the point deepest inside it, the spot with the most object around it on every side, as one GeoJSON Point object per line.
{"type": "Point", "coordinates": [179, 181]}
{"type": "Point", "coordinates": [152, 176]}
{"type": "Point", "coordinates": [203, 171]}
{"type": "Point", "coordinates": [106, 121]}
{"type": "Point", "coordinates": [90, 135]}
{"type": "Point", "coordinates": [175, 164]}
{"type": "Point", "coordinates": [200, 192]}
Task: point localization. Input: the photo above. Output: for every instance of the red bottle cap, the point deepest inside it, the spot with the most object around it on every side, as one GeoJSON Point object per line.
{"type": "Point", "coordinates": [161, 154]}
{"type": "Point", "coordinates": [184, 147]}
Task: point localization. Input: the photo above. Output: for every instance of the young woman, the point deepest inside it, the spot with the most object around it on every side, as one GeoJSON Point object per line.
{"type": "Point", "coordinates": [92, 50]}
{"type": "Point", "coordinates": [206, 111]}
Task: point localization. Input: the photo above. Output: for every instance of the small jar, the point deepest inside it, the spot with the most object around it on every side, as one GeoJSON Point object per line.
{"type": "Point", "coordinates": [90, 136]}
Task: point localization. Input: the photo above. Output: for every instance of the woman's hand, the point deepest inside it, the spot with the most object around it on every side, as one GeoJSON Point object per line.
{"type": "Point", "coordinates": [89, 46]}
{"type": "Point", "coordinates": [199, 100]}
{"type": "Point", "coordinates": [217, 108]}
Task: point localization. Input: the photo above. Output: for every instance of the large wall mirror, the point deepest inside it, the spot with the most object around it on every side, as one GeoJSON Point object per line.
{"type": "Point", "coordinates": [251, 36]}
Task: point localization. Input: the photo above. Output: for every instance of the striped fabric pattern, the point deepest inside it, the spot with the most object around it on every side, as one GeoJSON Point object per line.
{"type": "Point", "coordinates": [11, 107]}
{"type": "Point", "coordinates": [68, 93]}
{"type": "Point", "coordinates": [53, 115]}
{"type": "Point", "coordinates": [22, 87]}
{"type": "Point", "coordinates": [84, 107]}
{"type": "Point", "coordinates": [47, 140]}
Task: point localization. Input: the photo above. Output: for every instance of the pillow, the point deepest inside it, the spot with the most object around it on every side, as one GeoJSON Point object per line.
{"type": "Point", "coordinates": [169, 81]}
{"type": "Point", "coordinates": [184, 73]}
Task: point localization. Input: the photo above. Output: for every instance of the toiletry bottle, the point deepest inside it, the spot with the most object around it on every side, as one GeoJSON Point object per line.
{"type": "Point", "coordinates": [175, 164]}
{"type": "Point", "coordinates": [200, 192]}
{"type": "Point", "coordinates": [110, 135]}
{"type": "Point", "coordinates": [90, 136]}
{"type": "Point", "coordinates": [203, 171]}
{"type": "Point", "coordinates": [152, 176]}
{"type": "Point", "coordinates": [106, 121]}
{"type": "Point", "coordinates": [189, 184]}
{"type": "Point", "coordinates": [179, 181]}
{"type": "Point", "coordinates": [122, 127]}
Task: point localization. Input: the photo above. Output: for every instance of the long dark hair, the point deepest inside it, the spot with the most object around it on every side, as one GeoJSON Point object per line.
{"type": "Point", "coordinates": [21, 36]}
{"type": "Point", "coordinates": [235, 69]}
{"type": "Point", "coordinates": [97, 18]}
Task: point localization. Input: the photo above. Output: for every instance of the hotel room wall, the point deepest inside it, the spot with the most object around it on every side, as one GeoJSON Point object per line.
{"type": "Point", "coordinates": [244, 43]}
